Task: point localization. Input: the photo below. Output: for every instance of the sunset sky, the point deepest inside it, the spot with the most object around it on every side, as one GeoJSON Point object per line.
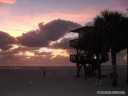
{"type": "Point", "coordinates": [45, 24]}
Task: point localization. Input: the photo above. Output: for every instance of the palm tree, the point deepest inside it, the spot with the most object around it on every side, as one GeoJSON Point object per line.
{"type": "Point", "coordinates": [127, 66]}
{"type": "Point", "coordinates": [125, 40]}
{"type": "Point", "coordinates": [127, 61]}
{"type": "Point", "coordinates": [109, 24]}
{"type": "Point", "coordinates": [100, 49]}
{"type": "Point", "coordinates": [127, 47]}
{"type": "Point", "coordinates": [94, 44]}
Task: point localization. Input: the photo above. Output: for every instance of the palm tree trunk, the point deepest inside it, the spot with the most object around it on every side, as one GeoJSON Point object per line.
{"type": "Point", "coordinates": [113, 57]}
{"type": "Point", "coordinates": [127, 66]}
{"type": "Point", "coordinates": [99, 79]}
{"type": "Point", "coordinates": [98, 67]}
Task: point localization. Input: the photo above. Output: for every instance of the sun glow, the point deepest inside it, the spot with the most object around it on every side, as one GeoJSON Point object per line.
{"type": "Point", "coordinates": [18, 31]}
{"type": "Point", "coordinates": [26, 53]}
{"type": "Point", "coordinates": [60, 53]}
{"type": "Point", "coordinates": [14, 33]}
{"type": "Point", "coordinates": [54, 52]}
{"type": "Point", "coordinates": [8, 1]}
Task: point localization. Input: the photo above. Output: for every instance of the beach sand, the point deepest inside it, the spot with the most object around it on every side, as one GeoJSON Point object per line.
{"type": "Point", "coordinates": [56, 82]}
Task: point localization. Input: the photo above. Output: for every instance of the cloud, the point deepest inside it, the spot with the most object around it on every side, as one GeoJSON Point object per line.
{"type": "Point", "coordinates": [34, 40]}
{"type": "Point", "coordinates": [14, 58]}
{"type": "Point", "coordinates": [23, 23]}
{"type": "Point", "coordinates": [8, 1]}
{"type": "Point", "coordinates": [46, 33]}
{"type": "Point", "coordinates": [63, 44]}
{"type": "Point", "coordinates": [6, 41]}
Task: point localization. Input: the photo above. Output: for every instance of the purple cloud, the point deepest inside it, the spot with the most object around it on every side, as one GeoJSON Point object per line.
{"type": "Point", "coordinates": [6, 41]}
{"type": "Point", "coordinates": [46, 33]}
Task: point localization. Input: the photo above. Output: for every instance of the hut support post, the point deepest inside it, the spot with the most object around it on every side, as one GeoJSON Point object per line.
{"type": "Point", "coordinates": [85, 71]}
{"type": "Point", "coordinates": [99, 71]}
{"type": "Point", "coordinates": [78, 69]}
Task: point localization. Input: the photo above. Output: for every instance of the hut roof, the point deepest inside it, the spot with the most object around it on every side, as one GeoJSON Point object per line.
{"type": "Point", "coordinates": [85, 29]}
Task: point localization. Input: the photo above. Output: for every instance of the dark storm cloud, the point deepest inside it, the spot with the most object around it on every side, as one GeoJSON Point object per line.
{"type": "Point", "coordinates": [6, 40]}
{"type": "Point", "coordinates": [51, 31]}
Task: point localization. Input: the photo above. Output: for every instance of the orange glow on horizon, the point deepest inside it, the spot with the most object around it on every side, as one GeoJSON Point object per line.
{"type": "Point", "coordinates": [60, 53]}
{"type": "Point", "coordinates": [55, 52]}
{"type": "Point", "coordinates": [26, 53]}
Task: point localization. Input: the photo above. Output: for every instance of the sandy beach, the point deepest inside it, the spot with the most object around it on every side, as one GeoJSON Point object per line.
{"type": "Point", "coordinates": [57, 82]}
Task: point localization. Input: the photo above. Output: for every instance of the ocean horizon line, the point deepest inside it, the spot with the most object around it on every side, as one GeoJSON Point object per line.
{"type": "Point", "coordinates": [48, 67]}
